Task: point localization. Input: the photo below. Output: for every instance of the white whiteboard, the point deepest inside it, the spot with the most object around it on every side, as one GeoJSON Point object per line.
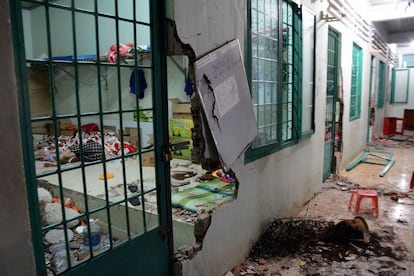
{"type": "Point", "coordinates": [225, 96]}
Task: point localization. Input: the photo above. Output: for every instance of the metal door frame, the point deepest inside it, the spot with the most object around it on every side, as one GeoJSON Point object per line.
{"type": "Point", "coordinates": [117, 257]}
{"type": "Point", "coordinates": [329, 149]}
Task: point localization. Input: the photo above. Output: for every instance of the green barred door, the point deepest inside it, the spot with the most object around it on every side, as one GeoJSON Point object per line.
{"type": "Point", "coordinates": [95, 134]}
{"type": "Point", "coordinates": [331, 91]}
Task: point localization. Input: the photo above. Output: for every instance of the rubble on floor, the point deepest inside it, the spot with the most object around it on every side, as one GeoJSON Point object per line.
{"type": "Point", "coordinates": [184, 176]}
{"type": "Point", "coordinates": [343, 184]}
{"type": "Point", "coordinates": [394, 140]}
{"type": "Point", "coordinates": [301, 246]}
{"type": "Point", "coordinates": [340, 183]}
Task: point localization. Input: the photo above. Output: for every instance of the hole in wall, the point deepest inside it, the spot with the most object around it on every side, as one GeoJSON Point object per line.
{"type": "Point", "coordinates": [208, 186]}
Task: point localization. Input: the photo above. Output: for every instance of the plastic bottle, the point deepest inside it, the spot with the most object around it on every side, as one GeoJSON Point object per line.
{"type": "Point", "coordinates": [60, 258]}
{"type": "Point", "coordinates": [95, 235]}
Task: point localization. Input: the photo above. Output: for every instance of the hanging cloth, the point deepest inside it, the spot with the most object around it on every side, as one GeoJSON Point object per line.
{"type": "Point", "coordinates": [188, 86]}
{"type": "Point", "coordinates": [141, 85]}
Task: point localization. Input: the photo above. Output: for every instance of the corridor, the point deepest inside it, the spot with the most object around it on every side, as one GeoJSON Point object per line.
{"type": "Point", "coordinates": [391, 247]}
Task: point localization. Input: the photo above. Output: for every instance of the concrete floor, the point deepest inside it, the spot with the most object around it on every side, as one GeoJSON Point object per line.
{"type": "Point", "coordinates": [395, 221]}
{"type": "Point", "coordinates": [73, 184]}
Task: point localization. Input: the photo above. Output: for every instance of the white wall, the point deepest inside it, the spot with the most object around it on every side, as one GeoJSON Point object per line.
{"type": "Point", "coordinates": [405, 50]}
{"type": "Point", "coordinates": [354, 132]}
{"type": "Point", "coordinates": [88, 91]}
{"type": "Point", "coordinates": [207, 24]}
{"type": "Point", "coordinates": [27, 35]}
{"type": "Point", "coordinates": [280, 183]}
{"type": "Point", "coordinates": [62, 35]}
{"type": "Point", "coordinates": [274, 186]}
{"type": "Point", "coordinates": [34, 23]}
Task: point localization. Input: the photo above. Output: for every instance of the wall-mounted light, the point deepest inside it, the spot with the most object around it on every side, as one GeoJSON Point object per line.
{"type": "Point", "coordinates": [328, 18]}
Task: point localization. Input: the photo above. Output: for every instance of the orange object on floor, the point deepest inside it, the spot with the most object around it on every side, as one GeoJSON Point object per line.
{"type": "Point", "coordinates": [359, 195]}
{"type": "Point", "coordinates": [108, 176]}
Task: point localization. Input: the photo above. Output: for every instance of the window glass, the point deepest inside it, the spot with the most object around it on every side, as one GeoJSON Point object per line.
{"type": "Point", "coordinates": [381, 79]}
{"type": "Point", "coordinates": [277, 77]}
{"type": "Point", "coordinates": [356, 82]}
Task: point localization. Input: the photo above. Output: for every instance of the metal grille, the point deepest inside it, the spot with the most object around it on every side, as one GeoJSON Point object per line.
{"type": "Point", "coordinates": [95, 61]}
{"type": "Point", "coordinates": [265, 72]}
{"type": "Point", "coordinates": [287, 74]}
{"type": "Point", "coordinates": [331, 86]}
{"type": "Point", "coordinates": [356, 82]}
{"type": "Point", "coordinates": [274, 51]}
{"type": "Point", "coordinates": [381, 83]}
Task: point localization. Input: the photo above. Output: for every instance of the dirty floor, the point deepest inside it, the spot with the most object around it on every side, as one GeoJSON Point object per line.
{"type": "Point", "coordinates": [288, 248]}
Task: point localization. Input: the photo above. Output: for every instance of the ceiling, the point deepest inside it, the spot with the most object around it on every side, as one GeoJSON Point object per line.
{"type": "Point", "coordinates": [394, 19]}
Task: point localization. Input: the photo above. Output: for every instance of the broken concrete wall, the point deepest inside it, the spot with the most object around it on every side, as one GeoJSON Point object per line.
{"type": "Point", "coordinates": [271, 187]}
{"type": "Point", "coordinates": [278, 184]}
{"type": "Point", "coordinates": [206, 24]}
{"type": "Point", "coordinates": [274, 186]}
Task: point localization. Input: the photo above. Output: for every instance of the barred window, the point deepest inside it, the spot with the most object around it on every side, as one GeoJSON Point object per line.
{"type": "Point", "coordinates": [274, 61]}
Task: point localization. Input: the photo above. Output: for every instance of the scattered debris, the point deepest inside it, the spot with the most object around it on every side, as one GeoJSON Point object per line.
{"type": "Point", "coordinates": [401, 197]}
{"type": "Point", "coordinates": [350, 229]}
{"type": "Point", "coordinates": [180, 175]}
{"type": "Point", "coordinates": [134, 201]}
{"type": "Point", "coordinates": [394, 141]}
{"type": "Point", "coordinates": [341, 183]}
{"type": "Point", "coordinates": [299, 246]}
{"type": "Point", "coordinates": [402, 221]}
{"type": "Point", "coordinates": [133, 188]}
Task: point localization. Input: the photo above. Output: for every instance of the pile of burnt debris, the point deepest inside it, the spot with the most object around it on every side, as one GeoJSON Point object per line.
{"type": "Point", "coordinates": [325, 247]}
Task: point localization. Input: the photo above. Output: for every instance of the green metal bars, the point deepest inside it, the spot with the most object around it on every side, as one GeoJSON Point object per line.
{"type": "Point", "coordinates": [381, 84]}
{"type": "Point", "coordinates": [275, 45]}
{"type": "Point", "coordinates": [356, 83]}
{"type": "Point", "coordinates": [94, 125]}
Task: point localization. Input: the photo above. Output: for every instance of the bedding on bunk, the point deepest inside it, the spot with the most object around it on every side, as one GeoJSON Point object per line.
{"type": "Point", "coordinates": [124, 50]}
{"type": "Point", "coordinates": [91, 146]}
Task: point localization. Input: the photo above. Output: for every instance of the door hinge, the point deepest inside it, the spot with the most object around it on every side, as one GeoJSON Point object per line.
{"type": "Point", "coordinates": [163, 232]}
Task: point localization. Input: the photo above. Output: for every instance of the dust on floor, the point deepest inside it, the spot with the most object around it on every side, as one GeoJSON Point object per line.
{"type": "Point", "coordinates": [299, 245]}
